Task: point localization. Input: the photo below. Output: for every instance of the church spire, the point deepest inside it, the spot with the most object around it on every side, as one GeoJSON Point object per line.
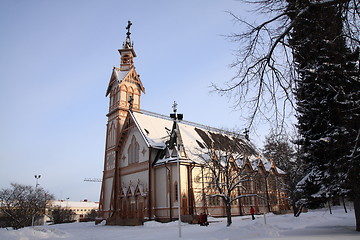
{"type": "Point", "coordinates": [127, 52]}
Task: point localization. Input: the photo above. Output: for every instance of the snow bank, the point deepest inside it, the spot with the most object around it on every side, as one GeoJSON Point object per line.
{"type": "Point", "coordinates": [33, 233]}
{"type": "Point", "coordinates": [317, 224]}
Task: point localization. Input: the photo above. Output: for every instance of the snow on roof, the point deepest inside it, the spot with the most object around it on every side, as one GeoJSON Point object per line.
{"type": "Point", "coordinates": [120, 74]}
{"type": "Point", "coordinates": [156, 130]}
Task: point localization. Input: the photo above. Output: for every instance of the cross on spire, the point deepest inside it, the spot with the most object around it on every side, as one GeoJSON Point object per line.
{"type": "Point", "coordinates": [128, 41]}
{"type": "Point", "coordinates": [128, 28]}
{"type": "Point", "coordinates": [174, 107]}
{"type": "Point", "coordinates": [174, 115]}
{"type": "Point", "coordinates": [246, 132]}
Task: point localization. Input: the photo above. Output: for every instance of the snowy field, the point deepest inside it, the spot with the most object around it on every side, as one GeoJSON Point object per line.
{"type": "Point", "coordinates": [317, 224]}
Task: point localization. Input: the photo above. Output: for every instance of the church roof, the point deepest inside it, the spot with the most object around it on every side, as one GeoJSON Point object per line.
{"type": "Point", "coordinates": [119, 75]}
{"type": "Point", "coordinates": [156, 130]}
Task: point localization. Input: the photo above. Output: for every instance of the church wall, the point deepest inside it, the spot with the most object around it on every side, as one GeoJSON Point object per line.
{"type": "Point", "coordinates": [161, 205]}
{"type": "Point", "coordinates": [200, 201]}
{"type": "Point", "coordinates": [107, 194]}
{"type": "Point", "coordinates": [136, 99]}
{"type": "Point", "coordinates": [184, 190]}
{"type": "Point", "coordinates": [142, 151]}
{"type": "Point", "coordinates": [264, 181]}
{"type": "Point", "coordinates": [215, 207]}
{"type": "Point", "coordinates": [128, 89]}
{"type": "Point", "coordinates": [184, 181]}
{"type": "Point", "coordinates": [134, 170]}
{"type": "Point", "coordinates": [134, 179]}
{"type": "Point", "coordinates": [166, 192]}
{"type": "Point", "coordinates": [167, 196]}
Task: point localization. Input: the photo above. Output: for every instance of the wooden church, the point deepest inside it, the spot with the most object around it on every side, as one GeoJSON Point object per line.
{"type": "Point", "coordinates": [153, 169]}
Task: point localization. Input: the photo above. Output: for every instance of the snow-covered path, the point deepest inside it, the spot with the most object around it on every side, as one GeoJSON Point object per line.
{"type": "Point", "coordinates": [317, 225]}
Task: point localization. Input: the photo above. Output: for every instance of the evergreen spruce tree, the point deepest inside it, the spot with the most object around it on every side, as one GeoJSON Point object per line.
{"type": "Point", "coordinates": [327, 95]}
{"type": "Point", "coordinates": [316, 40]}
{"type": "Point", "coordinates": [277, 148]}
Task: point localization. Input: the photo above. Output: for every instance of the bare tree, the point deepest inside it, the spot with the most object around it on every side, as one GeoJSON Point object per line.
{"type": "Point", "coordinates": [224, 176]}
{"type": "Point", "coordinates": [306, 55]}
{"type": "Point", "coordinates": [266, 71]}
{"type": "Point", "coordinates": [21, 203]}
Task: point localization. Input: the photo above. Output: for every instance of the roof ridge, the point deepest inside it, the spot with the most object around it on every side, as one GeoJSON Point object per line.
{"type": "Point", "coordinates": [140, 129]}
{"type": "Point", "coordinates": [149, 113]}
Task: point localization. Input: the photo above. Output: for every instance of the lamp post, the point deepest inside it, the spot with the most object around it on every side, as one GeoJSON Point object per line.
{"type": "Point", "coordinates": [36, 185]}
{"type": "Point", "coordinates": [37, 178]}
{"type": "Point", "coordinates": [176, 117]}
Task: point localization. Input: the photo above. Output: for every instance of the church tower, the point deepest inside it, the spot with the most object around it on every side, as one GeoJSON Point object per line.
{"type": "Point", "coordinates": [124, 92]}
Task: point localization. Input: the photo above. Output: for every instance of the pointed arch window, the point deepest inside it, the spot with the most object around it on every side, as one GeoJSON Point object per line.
{"type": "Point", "coordinates": [130, 95]}
{"type": "Point", "coordinates": [117, 96]}
{"type": "Point", "coordinates": [111, 99]}
{"type": "Point", "coordinates": [111, 135]}
{"type": "Point", "coordinates": [133, 151]}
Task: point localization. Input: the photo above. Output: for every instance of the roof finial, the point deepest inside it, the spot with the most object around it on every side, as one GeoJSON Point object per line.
{"type": "Point", "coordinates": [128, 41]}
{"type": "Point", "coordinates": [246, 132]}
{"type": "Point", "coordinates": [174, 106]}
{"type": "Point", "coordinates": [128, 28]}
{"type": "Point", "coordinates": [176, 116]}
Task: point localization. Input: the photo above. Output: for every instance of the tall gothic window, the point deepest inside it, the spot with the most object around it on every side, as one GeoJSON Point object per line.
{"type": "Point", "coordinates": [130, 95]}
{"type": "Point", "coordinates": [117, 96]}
{"type": "Point", "coordinates": [111, 99]}
{"type": "Point", "coordinates": [111, 135]}
{"type": "Point", "coordinates": [133, 151]}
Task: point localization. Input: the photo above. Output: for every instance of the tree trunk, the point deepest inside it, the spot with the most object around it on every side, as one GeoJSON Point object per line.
{"type": "Point", "coordinates": [343, 200]}
{"type": "Point", "coordinates": [329, 206]}
{"type": "Point", "coordinates": [357, 212]}
{"type": "Point", "coordinates": [295, 209]}
{"type": "Point", "coordinates": [299, 210]}
{"type": "Point", "coordinates": [228, 214]}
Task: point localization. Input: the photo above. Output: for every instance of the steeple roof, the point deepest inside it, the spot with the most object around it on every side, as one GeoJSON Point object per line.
{"type": "Point", "coordinates": [127, 70]}
{"type": "Point", "coordinates": [119, 75]}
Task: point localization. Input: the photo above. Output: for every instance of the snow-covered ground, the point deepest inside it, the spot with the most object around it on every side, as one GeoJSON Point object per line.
{"type": "Point", "coordinates": [317, 224]}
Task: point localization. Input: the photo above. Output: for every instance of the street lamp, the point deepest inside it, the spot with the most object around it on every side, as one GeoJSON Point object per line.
{"type": "Point", "coordinates": [37, 178]}
{"type": "Point", "coordinates": [37, 184]}
{"type": "Point", "coordinates": [177, 117]}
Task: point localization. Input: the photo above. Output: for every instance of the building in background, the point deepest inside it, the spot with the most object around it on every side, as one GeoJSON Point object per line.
{"type": "Point", "coordinates": [80, 208]}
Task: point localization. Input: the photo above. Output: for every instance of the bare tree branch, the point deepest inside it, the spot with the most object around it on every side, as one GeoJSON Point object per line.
{"type": "Point", "coordinates": [265, 68]}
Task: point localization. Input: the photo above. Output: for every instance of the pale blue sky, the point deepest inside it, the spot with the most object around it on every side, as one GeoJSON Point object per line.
{"type": "Point", "coordinates": [56, 59]}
